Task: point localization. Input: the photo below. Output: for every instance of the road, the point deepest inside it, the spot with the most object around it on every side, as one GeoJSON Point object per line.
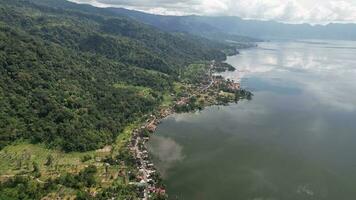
{"type": "Point", "coordinates": [143, 167]}
{"type": "Point", "coordinates": [211, 79]}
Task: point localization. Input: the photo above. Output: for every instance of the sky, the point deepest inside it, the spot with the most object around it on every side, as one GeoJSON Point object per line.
{"type": "Point", "coordinates": [290, 11]}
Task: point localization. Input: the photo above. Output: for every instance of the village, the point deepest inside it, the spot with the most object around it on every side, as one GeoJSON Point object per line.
{"type": "Point", "coordinates": [147, 172]}
{"type": "Point", "coordinates": [213, 89]}
{"type": "Point", "coordinates": [147, 176]}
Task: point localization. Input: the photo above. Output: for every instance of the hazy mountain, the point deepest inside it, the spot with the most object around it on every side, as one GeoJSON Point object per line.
{"type": "Point", "coordinates": [233, 26]}
{"type": "Point", "coordinates": [189, 24]}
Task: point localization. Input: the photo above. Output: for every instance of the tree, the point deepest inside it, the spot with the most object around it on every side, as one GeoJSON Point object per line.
{"type": "Point", "coordinates": [49, 160]}
{"type": "Point", "coordinates": [36, 169]}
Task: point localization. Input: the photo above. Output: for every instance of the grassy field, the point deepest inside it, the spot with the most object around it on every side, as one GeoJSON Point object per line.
{"type": "Point", "coordinates": [19, 158]}
{"type": "Point", "coordinates": [144, 91]}
{"type": "Point", "coordinates": [194, 73]}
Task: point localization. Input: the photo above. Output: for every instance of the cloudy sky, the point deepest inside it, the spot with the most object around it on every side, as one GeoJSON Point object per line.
{"type": "Point", "coordinates": [291, 11]}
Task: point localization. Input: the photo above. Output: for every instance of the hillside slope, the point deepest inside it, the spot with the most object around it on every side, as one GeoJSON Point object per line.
{"type": "Point", "coordinates": [59, 68]}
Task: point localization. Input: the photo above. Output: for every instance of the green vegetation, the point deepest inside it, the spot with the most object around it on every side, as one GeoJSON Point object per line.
{"type": "Point", "coordinates": [22, 187]}
{"type": "Point", "coordinates": [222, 67]}
{"type": "Point", "coordinates": [85, 178]}
{"type": "Point", "coordinates": [192, 104]}
{"type": "Point", "coordinates": [195, 73]}
{"type": "Point", "coordinates": [68, 174]}
{"type": "Point", "coordinates": [72, 79]}
{"type": "Point", "coordinates": [75, 81]}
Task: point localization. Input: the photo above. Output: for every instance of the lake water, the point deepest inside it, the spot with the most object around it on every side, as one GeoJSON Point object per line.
{"type": "Point", "coordinates": [295, 140]}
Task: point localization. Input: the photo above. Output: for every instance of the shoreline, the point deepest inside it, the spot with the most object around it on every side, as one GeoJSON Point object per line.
{"type": "Point", "coordinates": [151, 180]}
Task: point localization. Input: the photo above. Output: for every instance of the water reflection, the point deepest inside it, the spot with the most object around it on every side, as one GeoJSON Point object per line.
{"type": "Point", "coordinates": [320, 72]}
{"type": "Point", "coordinates": [166, 152]}
{"type": "Point", "coordinates": [295, 140]}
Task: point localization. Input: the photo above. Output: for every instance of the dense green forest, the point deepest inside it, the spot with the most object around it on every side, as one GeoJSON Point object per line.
{"type": "Point", "coordinates": [60, 65]}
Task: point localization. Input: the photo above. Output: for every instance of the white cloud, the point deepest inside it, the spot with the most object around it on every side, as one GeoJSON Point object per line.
{"type": "Point", "coordinates": [292, 11]}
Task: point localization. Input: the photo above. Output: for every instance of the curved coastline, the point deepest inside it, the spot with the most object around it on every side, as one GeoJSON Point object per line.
{"type": "Point", "coordinates": [151, 180]}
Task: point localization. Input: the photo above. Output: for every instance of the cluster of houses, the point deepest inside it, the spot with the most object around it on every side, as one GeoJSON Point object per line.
{"type": "Point", "coordinates": [230, 84]}
{"type": "Point", "coordinates": [233, 86]}
{"type": "Point", "coordinates": [147, 172]}
{"type": "Point", "coordinates": [218, 80]}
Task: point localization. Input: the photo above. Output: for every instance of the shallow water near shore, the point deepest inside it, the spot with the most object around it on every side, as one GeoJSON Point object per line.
{"type": "Point", "coordinates": [296, 139]}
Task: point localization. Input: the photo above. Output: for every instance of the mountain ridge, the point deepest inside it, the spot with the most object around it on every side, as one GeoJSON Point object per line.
{"type": "Point", "coordinates": [239, 27]}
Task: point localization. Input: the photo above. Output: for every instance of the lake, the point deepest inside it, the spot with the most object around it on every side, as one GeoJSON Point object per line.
{"type": "Point", "coordinates": [295, 140]}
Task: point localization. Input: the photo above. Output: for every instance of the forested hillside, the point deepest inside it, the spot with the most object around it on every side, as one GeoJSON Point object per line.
{"type": "Point", "coordinates": [60, 66]}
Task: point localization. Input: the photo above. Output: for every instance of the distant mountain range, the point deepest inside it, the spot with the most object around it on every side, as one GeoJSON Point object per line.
{"type": "Point", "coordinates": [231, 28]}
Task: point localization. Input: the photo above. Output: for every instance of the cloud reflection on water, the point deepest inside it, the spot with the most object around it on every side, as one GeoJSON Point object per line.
{"type": "Point", "coordinates": [296, 135]}
{"type": "Point", "coordinates": [324, 78]}
{"type": "Point", "coordinates": [166, 152]}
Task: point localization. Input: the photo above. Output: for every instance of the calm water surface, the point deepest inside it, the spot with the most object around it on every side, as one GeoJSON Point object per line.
{"type": "Point", "coordinates": [295, 140]}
